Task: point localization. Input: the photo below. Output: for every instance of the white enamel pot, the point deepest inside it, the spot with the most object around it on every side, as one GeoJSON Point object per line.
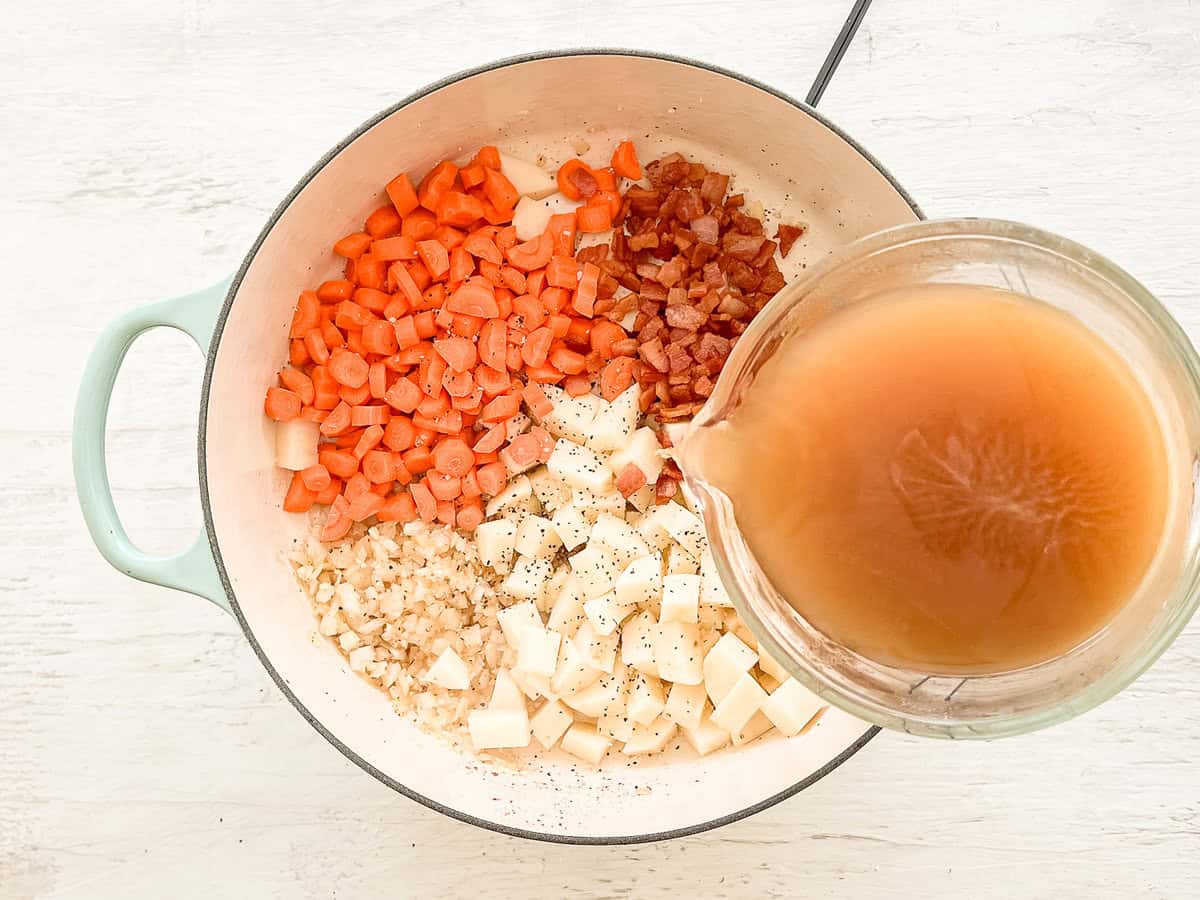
{"type": "Point", "coordinates": [779, 151]}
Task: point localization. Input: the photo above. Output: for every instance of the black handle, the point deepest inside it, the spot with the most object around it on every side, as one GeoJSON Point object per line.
{"type": "Point", "coordinates": [836, 52]}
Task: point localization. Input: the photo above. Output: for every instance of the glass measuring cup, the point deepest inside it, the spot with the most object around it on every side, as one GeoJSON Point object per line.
{"type": "Point", "coordinates": [1115, 307]}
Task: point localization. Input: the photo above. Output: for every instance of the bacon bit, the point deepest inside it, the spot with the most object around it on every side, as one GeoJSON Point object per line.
{"type": "Point", "coordinates": [742, 246]}
{"type": "Point", "coordinates": [654, 354]}
{"type": "Point", "coordinates": [679, 360]}
{"type": "Point", "coordinates": [702, 386]}
{"type": "Point", "coordinates": [706, 229]}
{"type": "Point", "coordinates": [651, 330]}
{"type": "Point", "coordinates": [630, 479]}
{"type": "Point", "coordinates": [787, 235]}
{"type": "Point", "coordinates": [680, 315]}
{"type": "Point", "coordinates": [670, 272]}
{"type": "Point", "coordinates": [712, 346]}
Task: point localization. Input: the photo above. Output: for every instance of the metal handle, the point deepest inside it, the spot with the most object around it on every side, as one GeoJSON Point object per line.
{"type": "Point", "coordinates": [193, 570]}
{"type": "Point", "coordinates": [837, 51]}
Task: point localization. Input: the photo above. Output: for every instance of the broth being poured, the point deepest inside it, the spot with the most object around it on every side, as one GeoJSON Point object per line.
{"type": "Point", "coordinates": [949, 478]}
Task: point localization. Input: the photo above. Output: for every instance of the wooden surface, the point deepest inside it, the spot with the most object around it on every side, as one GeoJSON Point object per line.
{"type": "Point", "coordinates": [143, 750]}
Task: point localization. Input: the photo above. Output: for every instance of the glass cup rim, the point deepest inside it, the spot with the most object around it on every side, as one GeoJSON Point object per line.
{"type": "Point", "coordinates": [1180, 352]}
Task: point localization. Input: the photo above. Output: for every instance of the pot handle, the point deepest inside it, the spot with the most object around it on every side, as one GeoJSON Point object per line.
{"type": "Point", "coordinates": [193, 570]}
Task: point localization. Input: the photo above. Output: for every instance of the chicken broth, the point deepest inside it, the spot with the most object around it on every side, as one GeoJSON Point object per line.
{"type": "Point", "coordinates": [949, 478]}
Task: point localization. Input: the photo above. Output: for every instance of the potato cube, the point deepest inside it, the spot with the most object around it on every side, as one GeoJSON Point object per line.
{"type": "Point", "coordinates": [528, 578]}
{"type": "Point", "coordinates": [549, 723]}
{"type": "Point", "coordinates": [537, 651]}
{"type": "Point", "coordinates": [642, 450]}
{"type": "Point", "coordinates": [579, 467]}
{"type": "Point", "coordinates": [551, 492]}
{"type": "Point", "coordinates": [791, 706]}
{"type": "Point", "coordinates": [566, 612]}
{"type": "Point", "coordinates": [591, 504]}
{"type": "Point", "coordinates": [638, 640]}
{"type": "Point", "coordinates": [685, 704]}
{"type": "Point", "coordinates": [677, 652]}
{"type": "Point", "coordinates": [724, 664]}
{"type": "Point", "coordinates": [679, 562]}
{"type": "Point", "coordinates": [505, 693]}
{"type": "Point", "coordinates": [605, 696]}
{"type": "Point", "coordinates": [570, 525]}
{"type": "Point", "coordinates": [494, 729]}
{"type": "Point", "coordinates": [595, 570]}
{"type": "Point", "coordinates": [646, 699]}
{"type": "Point", "coordinates": [641, 583]}
{"type": "Point", "coordinates": [685, 527]}
{"type": "Point", "coordinates": [599, 650]}
{"type": "Point", "coordinates": [706, 738]}
{"type": "Point", "coordinates": [537, 538]}
{"type": "Point", "coordinates": [514, 495]}
{"type": "Point", "coordinates": [572, 416]}
{"type": "Point", "coordinates": [643, 498]}
{"type": "Point", "coordinates": [449, 671]}
{"type": "Point", "coordinates": [650, 738]}
{"type": "Point", "coordinates": [584, 742]}
{"type": "Point", "coordinates": [606, 614]}
{"type": "Point", "coordinates": [755, 728]}
{"type": "Point", "coordinates": [496, 541]}
{"type": "Point", "coordinates": [619, 538]}
{"type": "Point", "coordinates": [680, 599]}
{"type": "Point", "coordinates": [573, 673]}
{"type": "Point", "coordinates": [618, 727]}
{"type": "Point", "coordinates": [614, 424]}
{"type": "Point", "coordinates": [738, 707]}
{"type": "Point", "coordinates": [513, 619]}
{"type": "Point", "coordinates": [712, 589]}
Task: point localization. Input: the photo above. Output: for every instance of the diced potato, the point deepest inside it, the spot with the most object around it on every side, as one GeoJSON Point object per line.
{"type": "Point", "coordinates": [740, 704]}
{"type": "Point", "coordinates": [706, 738]}
{"type": "Point", "coordinates": [680, 562]}
{"type": "Point", "coordinates": [566, 613]}
{"type": "Point", "coordinates": [606, 614]}
{"type": "Point", "coordinates": [650, 738]}
{"type": "Point", "coordinates": [772, 667]}
{"type": "Point", "coordinates": [449, 671]}
{"type": "Point", "coordinates": [531, 215]}
{"type": "Point", "coordinates": [579, 467]}
{"type": "Point", "coordinates": [505, 693]}
{"type": "Point", "coordinates": [646, 699]}
{"type": "Point", "coordinates": [618, 727]}
{"type": "Point", "coordinates": [724, 664]}
{"type": "Point", "coordinates": [573, 673]}
{"type": "Point", "coordinates": [680, 599]}
{"type": "Point", "coordinates": [515, 493]}
{"type": "Point", "coordinates": [532, 686]}
{"type": "Point", "coordinates": [643, 498]}
{"type": "Point", "coordinates": [599, 650]}
{"type": "Point", "coordinates": [551, 492]}
{"type": "Point", "coordinates": [572, 416]}
{"type": "Point", "coordinates": [591, 504]}
{"type": "Point", "coordinates": [650, 527]}
{"type": "Point", "coordinates": [638, 640]}
{"type": "Point", "coordinates": [595, 570]}
{"type": "Point", "coordinates": [495, 542]}
{"type": "Point", "coordinates": [528, 578]}
{"type": "Point", "coordinates": [296, 444]}
{"type": "Point", "coordinates": [570, 525]}
{"type": "Point", "coordinates": [361, 657]}
{"type": "Point", "coordinates": [685, 527]}
{"type": "Point", "coordinates": [791, 706]}
{"type": "Point", "coordinates": [755, 728]}
{"type": "Point", "coordinates": [537, 537]}
{"type": "Point", "coordinates": [495, 729]}
{"type": "Point", "coordinates": [614, 424]}
{"type": "Point", "coordinates": [620, 538]}
{"type": "Point", "coordinates": [641, 583]}
{"type": "Point", "coordinates": [549, 723]}
{"type": "Point", "coordinates": [677, 652]}
{"type": "Point", "coordinates": [537, 651]}
{"type": "Point", "coordinates": [584, 742]}
{"type": "Point", "coordinates": [605, 696]}
{"type": "Point", "coordinates": [528, 180]}
{"type": "Point", "coordinates": [643, 450]}
{"type": "Point", "coordinates": [514, 619]}
{"type": "Point", "coordinates": [685, 704]}
{"type": "Point", "coordinates": [712, 590]}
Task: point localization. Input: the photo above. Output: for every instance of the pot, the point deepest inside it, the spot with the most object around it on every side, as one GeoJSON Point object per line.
{"type": "Point", "coordinates": [780, 151]}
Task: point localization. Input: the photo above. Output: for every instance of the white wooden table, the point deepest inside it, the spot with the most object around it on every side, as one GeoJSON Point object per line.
{"type": "Point", "coordinates": [143, 750]}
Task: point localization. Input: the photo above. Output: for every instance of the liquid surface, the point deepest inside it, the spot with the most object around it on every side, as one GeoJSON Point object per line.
{"type": "Point", "coordinates": [949, 478]}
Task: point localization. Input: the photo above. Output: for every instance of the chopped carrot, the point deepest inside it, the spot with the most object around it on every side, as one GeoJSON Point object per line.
{"type": "Point", "coordinates": [573, 179]}
{"type": "Point", "coordinates": [353, 246]}
{"type": "Point", "coordinates": [299, 497]}
{"type": "Point", "coordinates": [579, 333]}
{"type": "Point", "coordinates": [537, 401]}
{"type": "Point", "coordinates": [443, 486]}
{"type": "Point", "coordinates": [499, 190]}
{"type": "Point", "coordinates": [393, 248]}
{"type": "Point", "coordinates": [563, 271]}
{"type": "Point", "coordinates": [459, 353]}
{"type": "Point", "coordinates": [337, 421]}
{"type": "Point", "coordinates": [341, 463]}
{"type": "Point", "coordinates": [616, 377]}
{"type": "Point", "coordinates": [488, 157]}
{"type": "Point", "coordinates": [419, 225]}
{"type": "Point", "coordinates": [364, 506]}
{"type": "Point", "coordinates": [625, 162]}
{"type": "Point", "coordinates": [530, 310]}
{"type": "Point", "coordinates": [377, 379]}
{"type": "Point", "coordinates": [594, 218]}
{"type": "Point", "coordinates": [470, 485]}
{"type": "Point", "coordinates": [493, 344]}
{"type": "Point", "coordinates": [445, 512]}
{"type": "Point", "coordinates": [537, 346]}
{"type": "Point", "coordinates": [369, 440]}
{"type": "Point", "coordinates": [435, 257]}
{"type": "Point", "coordinates": [312, 414]}
{"type": "Point", "coordinates": [575, 385]}
{"type": "Point", "coordinates": [554, 299]}
{"type": "Point", "coordinates": [375, 300]}
{"type": "Point", "coordinates": [473, 298]}
{"type": "Point", "coordinates": [545, 374]}
{"type": "Point", "coordinates": [384, 222]}
{"type": "Point", "coordinates": [520, 454]}
{"type": "Point", "coordinates": [585, 295]}
{"type": "Point", "coordinates": [338, 522]}
{"type": "Point", "coordinates": [466, 326]}
{"type": "Point", "coordinates": [380, 337]}
{"type": "Point", "coordinates": [298, 353]}
{"type": "Point", "coordinates": [406, 333]}
{"type": "Point", "coordinates": [452, 456]}
{"type": "Point", "coordinates": [316, 478]}
{"type": "Point", "coordinates": [325, 388]}
{"type": "Point", "coordinates": [559, 325]}
{"type": "Point", "coordinates": [630, 479]}
{"type": "Point", "coordinates": [469, 516]}
{"type": "Point", "coordinates": [326, 496]}
{"type": "Point", "coordinates": [354, 341]}
{"type": "Point", "coordinates": [492, 381]}
{"type": "Point", "coordinates": [299, 384]}
{"type": "Point", "coordinates": [492, 478]}
{"type": "Point", "coordinates": [471, 176]}
{"type": "Point", "coordinates": [606, 180]}
{"type": "Point", "coordinates": [417, 460]}
{"type": "Point", "coordinates": [355, 396]}
{"type": "Point", "coordinates": [403, 396]}
{"type": "Point", "coordinates": [426, 505]}
{"type": "Point", "coordinates": [503, 407]}
{"type": "Point", "coordinates": [462, 266]}
{"type": "Point", "coordinates": [604, 334]}
{"type": "Point", "coordinates": [460, 384]}
{"type": "Point", "coordinates": [567, 361]}
{"type": "Point", "coordinates": [398, 435]}
{"type": "Point", "coordinates": [433, 186]}
{"type": "Point", "coordinates": [397, 508]}
{"type": "Point", "coordinates": [482, 245]}
{"type": "Point", "coordinates": [378, 467]}
{"type": "Point", "coordinates": [455, 208]}
{"type": "Point", "coordinates": [408, 286]}
{"type": "Point", "coordinates": [348, 368]}
{"type": "Point", "coordinates": [532, 254]}
{"type": "Point", "coordinates": [307, 315]}
{"type": "Point", "coordinates": [562, 228]}
{"type": "Point", "coordinates": [335, 291]}
{"type": "Point", "coordinates": [370, 272]}
{"type": "Point", "coordinates": [361, 416]}
{"type": "Point", "coordinates": [400, 192]}
{"type": "Point", "coordinates": [433, 405]}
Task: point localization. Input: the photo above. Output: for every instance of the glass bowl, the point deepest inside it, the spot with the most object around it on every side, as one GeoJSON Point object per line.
{"type": "Point", "coordinates": [1113, 305]}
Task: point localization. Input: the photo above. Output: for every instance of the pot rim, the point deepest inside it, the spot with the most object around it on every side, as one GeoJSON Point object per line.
{"type": "Point", "coordinates": [210, 530]}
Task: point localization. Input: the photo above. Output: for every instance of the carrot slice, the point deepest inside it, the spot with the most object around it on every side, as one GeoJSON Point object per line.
{"type": "Point", "coordinates": [299, 497]}
{"type": "Point", "coordinates": [471, 176]}
{"type": "Point", "coordinates": [337, 421]}
{"type": "Point", "coordinates": [426, 505]}
{"type": "Point", "coordinates": [493, 439]}
{"type": "Point", "coordinates": [380, 337]}
{"type": "Point", "coordinates": [503, 407]}
{"type": "Point", "coordinates": [353, 246]}
{"type": "Point", "coordinates": [567, 361]}
{"type": "Point", "coordinates": [377, 465]}
{"type": "Point", "coordinates": [499, 190]}
{"type": "Point", "coordinates": [520, 454]}
{"type": "Point", "coordinates": [546, 374]}
{"type": "Point", "coordinates": [443, 486]}
{"type": "Point", "coordinates": [341, 463]}
{"type": "Point", "coordinates": [403, 396]}
{"type": "Point", "coordinates": [594, 218]}
{"type": "Point", "coordinates": [338, 522]}
{"type": "Point", "coordinates": [625, 162]}
{"type": "Point", "coordinates": [532, 254]}
{"type": "Point", "coordinates": [397, 508]}
{"type": "Point", "coordinates": [361, 416]}
{"type": "Point", "coordinates": [462, 266]}
{"type": "Point", "coordinates": [400, 192]}
{"type": "Point", "coordinates": [537, 346]}
{"type": "Point", "coordinates": [348, 368]}
{"type": "Point", "coordinates": [419, 225]}
{"type": "Point", "coordinates": [335, 291]}
{"type": "Point", "coordinates": [537, 401]}
{"type": "Point", "coordinates": [469, 516]}
{"type": "Point", "coordinates": [298, 383]}
{"type": "Point", "coordinates": [573, 179]}
{"type": "Point", "coordinates": [563, 272]}
{"type": "Point", "coordinates": [398, 435]}
{"type": "Point", "coordinates": [307, 315]}
{"type": "Point", "coordinates": [617, 376]}
{"type": "Point", "coordinates": [368, 441]}
{"type": "Point", "coordinates": [452, 456]}
{"type": "Point", "coordinates": [440, 179]}
{"type": "Point", "coordinates": [482, 245]}
{"type": "Point", "coordinates": [316, 478]}
{"type": "Point", "coordinates": [585, 295]}
{"type": "Point", "coordinates": [435, 257]}
{"type": "Point", "coordinates": [364, 506]}
{"type": "Point", "coordinates": [383, 222]}
{"type": "Point", "coordinates": [492, 478]}
{"type": "Point", "coordinates": [459, 353]}
{"type": "Point", "coordinates": [426, 323]}
{"type": "Point", "coordinates": [393, 248]}
{"type": "Point", "coordinates": [575, 385]}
